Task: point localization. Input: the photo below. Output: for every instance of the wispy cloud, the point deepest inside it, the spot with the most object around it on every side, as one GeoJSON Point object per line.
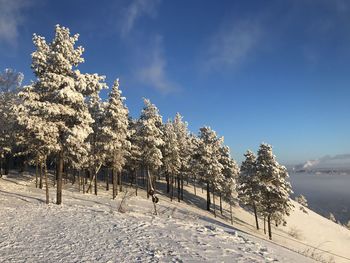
{"type": "Point", "coordinates": [153, 72]}
{"type": "Point", "coordinates": [231, 45]}
{"type": "Point", "coordinates": [134, 11]}
{"type": "Point", "coordinates": [10, 19]}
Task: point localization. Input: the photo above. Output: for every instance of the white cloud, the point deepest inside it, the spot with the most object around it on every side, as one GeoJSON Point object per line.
{"type": "Point", "coordinates": [10, 19]}
{"type": "Point", "coordinates": [153, 73]}
{"type": "Point", "coordinates": [232, 44]}
{"type": "Point", "coordinates": [135, 10]}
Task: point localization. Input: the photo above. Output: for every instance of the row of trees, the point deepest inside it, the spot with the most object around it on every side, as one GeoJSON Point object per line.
{"type": "Point", "coordinates": [60, 118]}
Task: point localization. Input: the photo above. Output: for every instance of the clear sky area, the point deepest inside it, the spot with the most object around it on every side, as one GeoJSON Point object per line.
{"type": "Point", "coordinates": [254, 71]}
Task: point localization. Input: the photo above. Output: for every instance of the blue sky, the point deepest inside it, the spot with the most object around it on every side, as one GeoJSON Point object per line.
{"type": "Point", "coordinates": [255, 71]}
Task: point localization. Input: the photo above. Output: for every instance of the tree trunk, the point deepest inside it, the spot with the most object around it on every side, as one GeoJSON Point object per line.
{"type": "Point", "coordinates": [95, 181]}
{"type": "Point", "coordinates": [0, 167]}
{"type": "Point", "coordinates": [269, 226]}
{"type": "Point", "coordinates": [79, 181]}
{"type": "Point", "coordinates": [194, 186]}
{"type": "Point", "coordinates": [114, 183]}
{"type": "Point", "coordinates": [83, 181]}
{"type": "Point", "coordinates": [41, 177]}
{"type": "Point", "coordinates": [220, 203]}
{"type": "Point", "coordinates": [148, 181]}
{"type": "Point", "coordinates": [214, 202]}
{"type": "Point", "coordinates": [172, 188]}
{"type": "Point", "coordinates": [256, 216]}
{"type": "Point", "coordinates": [208, 196]}
{"type": "Point", "coordinates": [182, 187]}
{"type": "Point", "coordinates": [264, 225]}
{"type": "Point", "coordinates": [46, 185]}
{"type": "Point", "coordinates": [59, 177]}
{"type": "Point", "coordinates": [178, 188]}
{"type": "Point", "coordinates": [136, 182]}
{"type": "Point", "coordinates": [36, 173]}
{"type": "Point", "coordinates": [120, 182]}
{"type": "Point", "coordinates": [107, 180]}
{"type": "Point", "coordinates": [167, 182]}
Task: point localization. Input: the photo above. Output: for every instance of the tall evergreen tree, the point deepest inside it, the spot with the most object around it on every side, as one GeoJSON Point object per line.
{"type": "Point", "coordinates": [10, 82]}
{"type": "Point", "coordinates": [210, 168]}
{"type": "Point", "coordinates": [115, 131]}
{"type": "Point", "coordinates": [150, 136]}
{"type": "Point", "coordinates": [59, 94]}
{"type": "Point", "coordinates": [274, 187]}
{"type": "Point", "coordinates": [171, 157]}
{"type": "Point", "coordinates": [249, 192]}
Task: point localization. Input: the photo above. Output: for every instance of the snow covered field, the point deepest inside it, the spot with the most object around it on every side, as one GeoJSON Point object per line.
{"type": "Point", "coordinates": [89, 228]}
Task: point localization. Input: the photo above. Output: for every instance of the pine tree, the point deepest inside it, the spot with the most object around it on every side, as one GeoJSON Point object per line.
{"type": "Point", "coordinates": [249, 192]}
{"type": "Point", "coordinates": [275, 189]}
{"type": "Point", "coordinates": [10, 82]}
{"type": "Point", "coordinates": [150, 136]}
{"type": "Point", "coordinates": [59, 94]}
{"type": "Point", "coordinates": [171, 156]}
{"type": "Point", "coordinates": [303, 202]}
{"type": "Point", "coordinates": [184, 142]}
{"type": "Point", "coordinates": [230, 172]}
{"type": "Point", "coordinates": [114, 136]}
{"type": "Point", "coordinates": [210, 168]}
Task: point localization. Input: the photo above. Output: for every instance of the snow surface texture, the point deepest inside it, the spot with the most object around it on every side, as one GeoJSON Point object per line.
{"type": "Point", "coordinates": [88, 228]}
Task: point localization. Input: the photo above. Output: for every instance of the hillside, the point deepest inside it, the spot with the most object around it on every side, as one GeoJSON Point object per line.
{"type": "Point", "coordinates": [88, 228]}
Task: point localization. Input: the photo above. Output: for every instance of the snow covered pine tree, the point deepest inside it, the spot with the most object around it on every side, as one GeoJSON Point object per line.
{"type": "Point", "coordinates": [62, 93]}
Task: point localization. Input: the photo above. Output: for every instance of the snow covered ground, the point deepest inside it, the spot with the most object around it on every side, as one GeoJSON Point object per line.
{"type": "Point", "coordinates": [88, 228]}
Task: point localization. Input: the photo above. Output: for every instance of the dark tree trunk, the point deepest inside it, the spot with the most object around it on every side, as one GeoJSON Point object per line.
{"type": "Point", "coordinates": [194, 186]}
{"type": "Point", "coordinates": [264, 225]}
{"type": "Point", "coordinates": [0, 167]}
{"type": "Point", "coordinates": [79, 181]}
{"type": "Point", "coordinates": [107, 180]}
{"type": "Point", "coordinates": [178, 189]}
{"type": "Point", "coordinates": [120, 182]}
{"type": "Point", "coordinates": [220, 203]}
{"type": "Point", "coordinates": [148, 181]}
{"type": "Point", "coordinates": [36, 174]}
{"type": "Point", "coordinates": [95, 181]}
{"type": "Point", "coordinates": [172, 188]}
{"type": "Point", "coordinates": [114, 184]}
{"type": "Point", "coordinates": [256, 216]}
{"type": "Point", "coordinates": [208, 196]}
{"type": "Point", "coordinates": [269, 226]}
{"type": "Point", "coordinates": [214, 202]}
{"type": "Point", "coordinates": [136, 182]}
{"type": "Point", "coordinates": [182, 187]}
{"type": "Point", "coordinates": [59, 177]}
{"type": "Point", "coordinates": [83, 181]}
{"type": "Point", "coordinates": [46, 185]}
{"type": "Point", "coordinates": [167, 182]}
{"type": "Point", "coordinates": [41, 177]}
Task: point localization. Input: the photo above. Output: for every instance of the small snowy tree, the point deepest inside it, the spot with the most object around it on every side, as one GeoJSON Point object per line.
{"type": "Point", "coordinates": [332, 217]}
{"type": "Point", "coordinates": [150, 135]}
{"type": "Point", "coordinates": [303, 202]}
{"type": "Point", "coordinates": [59, 95]}
{"type": "Point", "coordinates": [248, 184]}
{"type": "Point", "coordinates": [275, 189]}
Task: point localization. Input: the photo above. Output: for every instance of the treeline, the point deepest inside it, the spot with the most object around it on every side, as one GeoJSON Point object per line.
{"type": "Point", "coordinates": [59, 120]}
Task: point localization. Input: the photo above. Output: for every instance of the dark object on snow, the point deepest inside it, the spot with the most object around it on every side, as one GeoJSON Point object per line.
{"type": "Point", "coordinates": [155, 199]}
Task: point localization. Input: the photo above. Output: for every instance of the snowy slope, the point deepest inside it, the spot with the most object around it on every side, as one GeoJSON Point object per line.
{"type": "Point", "coordinates": [88, 228]}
